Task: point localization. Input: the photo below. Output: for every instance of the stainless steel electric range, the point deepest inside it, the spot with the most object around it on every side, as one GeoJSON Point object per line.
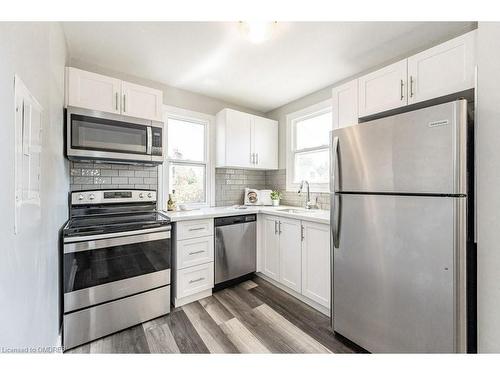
{"type": "Point", "coordinates": [116, 263]}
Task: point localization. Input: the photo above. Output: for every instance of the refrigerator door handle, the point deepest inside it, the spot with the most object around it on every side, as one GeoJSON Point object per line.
{"type": "Point", "coordinates": [335, 219]}
{"type": "Point", "coordinates": [334, 214]}
{"type": "Point", "coordinates": [334, 146]}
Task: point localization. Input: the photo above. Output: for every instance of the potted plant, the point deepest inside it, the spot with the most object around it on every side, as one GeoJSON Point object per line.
{"type": "Point", "coordinates": [275, 197]}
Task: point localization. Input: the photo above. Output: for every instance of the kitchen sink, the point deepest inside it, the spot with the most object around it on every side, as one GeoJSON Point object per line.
{"type": "Point", "coordinates": [296, 210]}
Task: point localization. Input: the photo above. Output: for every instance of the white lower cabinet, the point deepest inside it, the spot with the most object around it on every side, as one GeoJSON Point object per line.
{"type": "Point", "coordinates": [194, 280]}
{"type": "Point", "coordinates": [290, 253]}
{"type": "Point", "coordinates": [192, 261]}
{"type": "Point", "coordinates": [296, 254]}
{"type": "Point", "coordinates": [316, 262]}
{"type": "Point", "coordinates": [195, 251]}
{"type": "Point", "coordinates": [270, 247]}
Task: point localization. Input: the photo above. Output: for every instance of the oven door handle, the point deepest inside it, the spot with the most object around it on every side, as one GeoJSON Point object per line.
{"type": "Point", "coordinates": [84, 238]}
{"type": "Point", "coordinates": [149, 141]}
{"type": "Point", "coordinates": [94, 244]}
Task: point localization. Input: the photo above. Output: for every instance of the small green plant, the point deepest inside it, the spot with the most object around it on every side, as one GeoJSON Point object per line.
{"type": "Point", "coordinates": [275, 195]}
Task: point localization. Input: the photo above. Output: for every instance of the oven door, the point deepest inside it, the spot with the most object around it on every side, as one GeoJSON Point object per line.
{"type": "Point", "coordinates": [93, 135]}
{"type": "Point", "coordinates": [103, 268]}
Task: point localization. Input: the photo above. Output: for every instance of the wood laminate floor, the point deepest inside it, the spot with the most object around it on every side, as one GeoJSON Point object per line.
{"type": "Point", "coordinates": [252, 317]}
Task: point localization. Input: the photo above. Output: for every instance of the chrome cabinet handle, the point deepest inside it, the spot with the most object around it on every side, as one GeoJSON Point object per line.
{"type": "Point", "coordinates": [279, 226]}
{"type": "Point", "coordinates": [302, 233]}
{"type": "Point", "coordinates": [402, 86]}
{"type": "Point", "coordinates": [257, 158]}
{"type": "Point", "coordinates": [411, 86]}
{"type": "Point", "coordinates": [124, 103]}
{"type": "Point", "coordinates": [116, 101]}
{"type": "Point", "coordinates": [192, 229]}
{"type": "Point", "coordinates": [196, 280]}
{"type": "Point", "coordinates": [197, 252]}
{"type": "Point", "coordinates": [275, 227]}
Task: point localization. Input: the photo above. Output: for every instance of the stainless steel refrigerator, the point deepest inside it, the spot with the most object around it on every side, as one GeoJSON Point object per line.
{"type": "Point", "coordinates": [401, 229]}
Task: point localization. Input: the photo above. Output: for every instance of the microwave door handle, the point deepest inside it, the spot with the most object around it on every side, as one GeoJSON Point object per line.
{"type": "Point", "coordinates": [149, 141]}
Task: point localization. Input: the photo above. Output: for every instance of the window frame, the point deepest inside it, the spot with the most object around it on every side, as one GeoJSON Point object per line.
{"type": "Point", "coordinates": [164, 176]}
{"type": "Point", "coordinates": [291, 150]}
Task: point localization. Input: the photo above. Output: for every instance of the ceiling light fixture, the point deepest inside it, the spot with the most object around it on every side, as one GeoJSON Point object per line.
{"type": "Point", "coordinates": [258, 32]}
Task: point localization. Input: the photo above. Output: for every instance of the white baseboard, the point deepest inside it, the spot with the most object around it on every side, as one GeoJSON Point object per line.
{"type": "Point", "coordinates": [194, 297]}
{"type": "Point", "coordinates": [322, 309]}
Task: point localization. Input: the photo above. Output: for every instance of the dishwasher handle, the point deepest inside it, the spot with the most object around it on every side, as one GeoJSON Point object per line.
{"type": "Point", "coordinates": [230, 220]}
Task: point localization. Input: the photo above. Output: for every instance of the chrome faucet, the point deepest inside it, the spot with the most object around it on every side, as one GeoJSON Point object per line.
{"type": "Point", "coordinates": [309, 204]}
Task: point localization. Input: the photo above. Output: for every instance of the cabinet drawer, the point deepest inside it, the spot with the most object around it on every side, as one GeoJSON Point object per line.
{"type": "Point", "coordinates": [195, 229]}
{"type": "Point", "coordinates": [195, 251]}
{"type": "Point", "coordinates": [195, 279]}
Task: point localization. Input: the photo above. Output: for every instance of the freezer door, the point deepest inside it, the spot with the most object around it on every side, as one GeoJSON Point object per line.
{"type": "Point", "coordinates": [423, 151]}
{"type": "Point", "coordinates": [397, 273]}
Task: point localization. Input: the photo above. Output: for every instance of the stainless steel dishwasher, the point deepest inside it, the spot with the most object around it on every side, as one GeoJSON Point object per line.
{"type": "Point", "coordinates": [235, 247]}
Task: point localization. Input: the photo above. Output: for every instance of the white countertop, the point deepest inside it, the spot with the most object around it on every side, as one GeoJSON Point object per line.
{"type": "Point", "coordinates": [318, 216]}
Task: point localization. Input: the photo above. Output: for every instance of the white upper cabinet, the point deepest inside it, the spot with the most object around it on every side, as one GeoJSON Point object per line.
{"type": "Point", "coordinates": [101, 93]}
{"type": "Point", "coordinates": [265, 143]}
{"type": "Point", "coordinates": [316, 262]}
{"type": "Point", "coordinates": [142, 102]}
{"type": "Point", "coordinates": [383, 89]}
{"type": "Point", "coordinates": [246, 141]}
{"type": "Point", "coordinates": [233, 139]}
{"type": "Point", "coordinates": [442, 70]}
{"type": "Point", "coordinates": [92, 91]}
{"type": "Point", "coordinates": [345, 104]}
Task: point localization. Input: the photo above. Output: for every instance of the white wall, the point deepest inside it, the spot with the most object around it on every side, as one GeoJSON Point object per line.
{"type": "Point", "coordinates": [488, 186]}
{"type": "Point", "coordinates": [172, 96]}
{"type": "Point", "coordinates": [29, 266]}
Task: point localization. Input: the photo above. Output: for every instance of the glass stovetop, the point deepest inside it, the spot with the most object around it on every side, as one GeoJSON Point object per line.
{"type": "Point", "coordinates": [95, 224]}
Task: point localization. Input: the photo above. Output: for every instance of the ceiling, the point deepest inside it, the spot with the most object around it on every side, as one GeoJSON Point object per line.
{"type": "Point", "coordinates": [215, 58]}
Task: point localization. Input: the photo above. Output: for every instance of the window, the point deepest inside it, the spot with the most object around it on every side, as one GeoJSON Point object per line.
{"type": "Point", "coordinates": [187, 168]}
{"type": "Point", "coordinates": [308, 133]}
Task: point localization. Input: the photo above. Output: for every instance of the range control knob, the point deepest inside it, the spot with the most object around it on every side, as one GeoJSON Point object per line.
{"type": "Point", "coordinates": [91, 197]}
{"type": "Point", "coordinates": [141, 195]}
{"type": "Point", "coordinates": [150, 195]}
{"type": "Point", "coordinates": [80, 197]}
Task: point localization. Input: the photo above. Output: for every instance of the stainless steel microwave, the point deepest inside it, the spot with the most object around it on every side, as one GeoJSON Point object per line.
{"type": "Point", "coordinates": [93, 135]}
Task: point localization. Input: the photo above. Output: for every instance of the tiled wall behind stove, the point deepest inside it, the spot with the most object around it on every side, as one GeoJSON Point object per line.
{"type": "Point", "coordinates": [87, 176]}
{"type": "Point", "coordinates": [230, 184]}
{"type": "Point", "coordinates": [276, 180]}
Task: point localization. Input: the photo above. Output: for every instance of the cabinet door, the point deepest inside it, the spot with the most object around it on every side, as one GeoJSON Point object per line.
{"type": "Point", "coordinates": [92, 91]}
{"type": "Point", "coordinates": [238, 139]}
{"type": "Point", "coordinates": [345, 105]}
{"type": "Point", "coordinates": [316, 262]}
{"type": "Point", "coordinates": [442, 70]}
{"type": "Point", "coordinates": [142, 102]}
{"type": "Point", "coordinates": [290, 254]}
{"type": "Point", "coordinates": [383, 90]}
{"type": "Point", "coordinates": [270, 247]}
{"type": "Point", "coordinates": [265, 143]}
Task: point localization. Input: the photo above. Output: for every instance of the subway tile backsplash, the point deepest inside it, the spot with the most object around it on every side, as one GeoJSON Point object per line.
{"type": "Point", "coordinates": [276, 180]}
{"type": "Point", "coordinates": [230, 186]}
{"type": "Point", "coordinates": [230, 183]}
{"type": "Point", "coordinates": [87, 176]}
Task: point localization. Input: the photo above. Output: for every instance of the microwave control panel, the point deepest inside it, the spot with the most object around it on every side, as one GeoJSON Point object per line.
{"type": "Point", "coordinates": [157, 149]}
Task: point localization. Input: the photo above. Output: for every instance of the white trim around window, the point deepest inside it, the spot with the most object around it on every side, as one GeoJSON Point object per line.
{"type": "Point", "coordinates": [163, 170]}
{"type": "Point", "coordinates": [291, 142]}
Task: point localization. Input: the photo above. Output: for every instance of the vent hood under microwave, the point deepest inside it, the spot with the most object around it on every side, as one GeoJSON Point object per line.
{"type": "Point", "coordinates": [99, 136]}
